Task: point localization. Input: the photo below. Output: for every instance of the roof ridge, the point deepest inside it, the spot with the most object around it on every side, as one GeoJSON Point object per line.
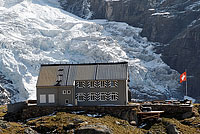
{"type": "Point", "coordinates": [109, 63]}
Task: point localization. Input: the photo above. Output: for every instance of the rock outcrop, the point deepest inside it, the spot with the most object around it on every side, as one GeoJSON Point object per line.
{"type": "Point", "coordinates": [184, 53]}
{"type": "Point", "coordinates": [4, 96]}
{"type": "Point", "coordinates": [171, 129]}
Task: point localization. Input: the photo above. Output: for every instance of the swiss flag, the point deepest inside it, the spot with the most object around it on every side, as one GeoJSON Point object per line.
{"type": "Point", "coordinates": [183, 77]}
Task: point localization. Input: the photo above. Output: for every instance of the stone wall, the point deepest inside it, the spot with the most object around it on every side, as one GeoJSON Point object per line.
{"type": "Point", "coordinates": [171, 108]}
{"type": "Point", "coordinates": [128, 113]}
{"type": "Point", "coordinates": [16, 107]}
{"type": "Point", "coordinates": [173, 111]}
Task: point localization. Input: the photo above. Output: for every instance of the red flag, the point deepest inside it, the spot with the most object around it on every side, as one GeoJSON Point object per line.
{"type": "Point", "coordinates": [183, 77]}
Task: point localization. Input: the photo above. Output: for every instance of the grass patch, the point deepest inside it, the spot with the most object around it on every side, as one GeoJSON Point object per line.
{"type": "Point", "coordinates": [12, 128]}
{"type": "Point", "coordinates": [196, 110]}
{"type": "Point", "coordinates": [9, 127]}
{"type": "Point", "coordinates": [193, 122]}
{"type": "Point", "coordinates": [3, 110]}
{"type": "Point", "coordinates": [185, 129]}
{"type": "Point", "coordinates": [158, 128]}
{"type": "Point", "coordinates": [62, 122]}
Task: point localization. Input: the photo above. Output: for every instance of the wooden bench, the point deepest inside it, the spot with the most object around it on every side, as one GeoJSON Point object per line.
{"type": "Point", "coordinates": [149, 115]}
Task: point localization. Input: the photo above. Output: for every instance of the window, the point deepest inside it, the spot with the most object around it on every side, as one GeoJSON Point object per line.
{"type": "Point", "coordinates": [66, 101]}
{"type": "Point", "coordinates": [116, 83]}
{"type": "Point", "coordinates": [43, 98]}
{"type": "Point", "coordinates": [102, 84]}
{"type": "Point", "coordinates": [102, 96]}
{"type": "Point", "coordinates": [51, 98]}
{"type": "Point", "coordinates": [80, 84]}
{"type": "Point", "coordinates": [113, 96]}
{"type": "Point", "coordinates": [60, 69]}
{"type": "Point", "coordinates": [59, 77]}
{"type": "Point", "coordinates": [113, 83]}
{"type": "Point", "coordinates": [91, 84]}
{"type": "Point", "coordinates": [92, 96]}
{"type": "Point", "coordinates": [64, 91]}
{"type": "Point", "coordinates": [80, 97]}
{"type": "Point", "coordinates": [68, 91]}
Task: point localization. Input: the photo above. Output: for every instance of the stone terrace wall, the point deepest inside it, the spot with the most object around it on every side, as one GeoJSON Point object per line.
{"type": "Point", "coordinates": [171, 108]}
{"type": "Point", "coordinates": [128, 113]}
{"type": "Point", "coordinates": [175, 111]}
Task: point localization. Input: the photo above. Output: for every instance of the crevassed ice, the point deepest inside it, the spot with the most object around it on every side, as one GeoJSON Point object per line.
{"type": "Point", "coordinates": [33, 32]}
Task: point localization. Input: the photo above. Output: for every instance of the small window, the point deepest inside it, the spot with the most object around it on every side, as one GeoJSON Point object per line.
{"type": "Point", "coordinates": [80, 97]}
{"type": "Point", "coordinates": [102, 96]}
{"type": "Point", "coordinates": [112, 83]}
{"type": "Point", "coordinates": [102, 84]}
{"type": "Point", "coordinates": [59, 77]}
{"type": "Point", "coordinates": [91, 84]}
{"type": "Point", "coordinates": [43, 98]}
{"type": "Point", "coordinates": [51, 98]}
{"type": "Point", "coordinates": [60, 69]}
{"type": "Point", "coordinates": [113, 96]}
{"type": "Point", "coordinates": [116, 83]}
{"type": "Point", "coordinates": [92, 96]}
{"type": "Point", "coordinates": [66, 101]}
{"type": "Point", "coordinates": [68, 91]}
{"type": "Point", "coordinates": [64, 91]}
{"type": "Point", "coordinates": [80, 84]}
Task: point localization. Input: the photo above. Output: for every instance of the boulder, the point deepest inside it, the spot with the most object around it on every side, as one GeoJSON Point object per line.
{"type": "Point", "coordinates": [171, 129]}
{"type": "Point", "coordinates": [44, 129]}
{"type": "Point", "coordinates": [159, 120]}
{"type": "Point", "coordinates": [125, 115]}
{"type": "Point", "coordinates": [199, 109]}
{"type": "Point", "coordinates": [133, 123]}
{"type": "Point", "coordinates": [69, 126]}
{"type": "Point", "coordinates": [93, 129]}
{"type": "Point", "coordinates": [3, 124]}
{"type": "Point", "coordinates": [29, 131]}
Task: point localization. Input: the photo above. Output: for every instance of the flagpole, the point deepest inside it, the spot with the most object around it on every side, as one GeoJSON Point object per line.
{"type": "Point", "coordinates": [186, 83]}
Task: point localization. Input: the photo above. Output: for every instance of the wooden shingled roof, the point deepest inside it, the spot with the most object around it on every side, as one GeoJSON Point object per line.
{"type": "Point", "coordinates": [48, 75]}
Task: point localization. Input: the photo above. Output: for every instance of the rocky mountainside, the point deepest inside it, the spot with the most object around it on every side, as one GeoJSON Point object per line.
{"type": "Point", "coordinates": [172, 23]}
{"type": "Point", "coordinates": [5, 89]}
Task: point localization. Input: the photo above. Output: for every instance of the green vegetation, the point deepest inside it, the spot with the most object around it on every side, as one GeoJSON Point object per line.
{"type": "Point", "coordinates": [3, 110]}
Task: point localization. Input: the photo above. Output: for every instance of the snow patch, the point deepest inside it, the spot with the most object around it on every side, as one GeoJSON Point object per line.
{"type": "Point", "coordinates": [94, 115]}
{"type": "Point", "coordinates": [162, 13]}
{"type": "Point", "coordinates": [189, 98]}
{"type": "Point", "coordinates": [112, 0]}
{"type": "Point", "coordinates": [162, 1]}
{"type": "Point", "coordinates": [194, 6]}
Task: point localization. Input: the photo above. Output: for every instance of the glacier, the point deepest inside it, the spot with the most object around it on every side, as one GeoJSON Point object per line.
{"type": "Point", "coordinates": [35, 32]}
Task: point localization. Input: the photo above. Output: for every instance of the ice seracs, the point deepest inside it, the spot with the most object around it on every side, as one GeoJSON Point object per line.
{"type": "Point", "coordinates": [34, 32]}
